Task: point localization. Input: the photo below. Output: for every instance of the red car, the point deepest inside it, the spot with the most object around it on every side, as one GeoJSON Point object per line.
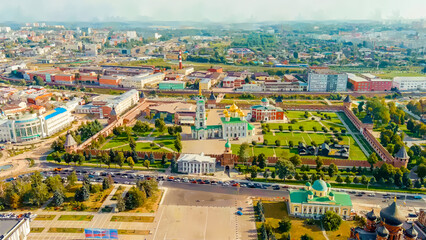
{"type": "Point", "coordinates": [235, 184]}
{"type": "Point", "coordinates": [202, 182]}
{"type": "Point", "coordinates": [194, 181]}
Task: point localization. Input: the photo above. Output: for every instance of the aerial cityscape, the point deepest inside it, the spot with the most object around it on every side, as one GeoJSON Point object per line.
{"type": "Point", "coordinates": [224, 120]}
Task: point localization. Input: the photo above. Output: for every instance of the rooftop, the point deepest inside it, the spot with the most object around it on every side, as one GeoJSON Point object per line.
{"type": "Point", "coordinates": [301, 196]}
{"type": "Point", "coordinates": [56, 112]}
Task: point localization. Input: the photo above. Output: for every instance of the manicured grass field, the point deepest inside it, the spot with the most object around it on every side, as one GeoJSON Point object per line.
{"type": "Point", "coordinates": [355, 152]}
{"type": "Point", "coordinates": [76, 218]}
{"type": "Point", "coordinates": [307, 124]}
{"type": "Point", "coordinates": [275, 211]}
{"type": "Point", "coordinates": [131, 219]}
{"type": "Point", "coordinates": [133, 232]}
{"type": "Point", "coordinates": [37, 230]}
{"type": "Point", "coordinates": [66, 230]}
{"type": "Point", "coordinates": [295, 114]}
{"type": "Point", "coordinates": [143, 147]}
{"type": "Point", "coordinates": [115, 142]}
{"type": "Point", "coordinates": [46, 217]}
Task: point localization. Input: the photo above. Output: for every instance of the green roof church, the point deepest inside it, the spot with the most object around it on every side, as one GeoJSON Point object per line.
{"type": "Point", "coordinates": [314, 200]}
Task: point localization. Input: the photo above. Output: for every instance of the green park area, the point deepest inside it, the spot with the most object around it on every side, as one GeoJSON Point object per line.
{"type": "Point", "coordinates": [90, 203]}
{"type": "Point", "coordinates": [274, 212]}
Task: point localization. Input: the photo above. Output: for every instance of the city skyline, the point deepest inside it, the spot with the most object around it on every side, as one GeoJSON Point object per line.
{"type": "Point", "coordinates": [236, 11]}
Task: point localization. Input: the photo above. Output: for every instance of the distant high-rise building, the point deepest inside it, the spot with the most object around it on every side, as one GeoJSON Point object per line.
{"type": "Point", "coordinates": [323, 79]}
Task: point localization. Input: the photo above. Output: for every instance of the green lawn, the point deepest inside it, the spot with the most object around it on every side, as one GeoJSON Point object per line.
{"type": "Point", "coordinates": [133, 232]}
{"type": "Point", "coordinates": [46, 217]}
{"type": "Point", "coordinates": [66, 230]}
{"type": "Point", "coordinates": [355, 151]}
{"type": "Point", "coordinates": [295, 114]}
{"type": "Point", "coordinates": [131, 219]}
{"type": "Point", "coordinates": [76, 217]}
{"type": "Point", "coordinates": [37, 230]}
{"type": "Point", "coordinates": [115, 142]}
{"type": "Point", "coordinates": [142, 147]}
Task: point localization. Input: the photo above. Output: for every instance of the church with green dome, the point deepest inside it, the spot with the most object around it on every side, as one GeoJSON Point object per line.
{"type": "Point", "coordinates": [314, 200]}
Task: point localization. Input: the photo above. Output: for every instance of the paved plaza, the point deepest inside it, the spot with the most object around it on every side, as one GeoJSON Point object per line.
{"type": "Point", "coordinates": [194, 215]}
{"type": "Point", "coordinates": [183, 214]}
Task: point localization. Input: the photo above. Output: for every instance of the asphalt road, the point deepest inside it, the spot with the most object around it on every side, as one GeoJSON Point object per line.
{"type": "Point", "coordinates": [125, 177]}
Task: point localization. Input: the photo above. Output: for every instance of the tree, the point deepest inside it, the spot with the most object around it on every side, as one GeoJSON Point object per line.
{"type": "Point", "coordinates": [178, 145]}
{"type": "Point", "coordinates": [348, 180]}
{"type": "Point", "coordinates": [331, 221]}
{"type": "Point", "coordinates": [319, 163]}
{"type": "Point", "coordinates": [266, 175]}
{"type": "Point", "coordinates": [132, 143]}
{"type": "Point", "coordinates": [121, 205]}
{"type": "Point", "coordinates": [332, 169]}
{"type": "Point", "coordinates": [146, 163]}
{"type": "Point", "coordinates": [160, 124]}
{"type": "Point", "coordinates": [82, 194]}
{"type": "Point", "coordinates": [253, 172]}
{"type": "Point", "coordinates": [421, 171]}
{"type": "Point", "coordinates": [105, 184]}
{"type": "Point", "coordinates": [273, 175]}
{"type": "Point", "coordinates": [285, 224]}
{"type": "Point", "coordinates": [261, 159]}
{"type": "Point", "coordinates": [306, 237]}
{"type": "Point", "coordinates": [131, 162]}
{"type": "Point", "coordinates": [58, 198]}
{"type": "Point", "coordinates": [119, 159]}
{"type": "Point", "coordinates": [134, 198]}
{"type": "Point", "coordinates": [284, 168]}
{"type": "Point", "coordinates": [277, 143]}
{"type": "Point", "coordinates": [243, 153]}
{"type": "Point", "coordinates": [39, 194]}
{"type": "Point", "coordinates": [361, 106]}
{"type": "Point", "coordinates": [296, 160]}
{"type": "Point", "coordinates": [39, 81]}
{"type": "Point", "coordinates": [372, 159]}
{"type": "Point", "coordinates": [72, 179]}
{"type": "Point", "coordinates": [163, 159]}
{"type": "Point", "coordinates": [14, 200]}
{"type": "Point", "coordinates": [339, 179]}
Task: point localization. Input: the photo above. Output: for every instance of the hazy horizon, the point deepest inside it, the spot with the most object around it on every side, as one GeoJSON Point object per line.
{"type": "Point", "coordinates": [233, 11]}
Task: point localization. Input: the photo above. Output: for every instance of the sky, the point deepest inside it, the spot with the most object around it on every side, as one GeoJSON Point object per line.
{"type": "Point", "coordinates": [234, 11]}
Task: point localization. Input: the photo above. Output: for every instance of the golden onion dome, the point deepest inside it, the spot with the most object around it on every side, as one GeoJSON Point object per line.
{"type": "Point", "coordinates": [233, 108]}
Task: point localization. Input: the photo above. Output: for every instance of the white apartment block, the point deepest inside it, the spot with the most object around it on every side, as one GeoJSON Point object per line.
{"type": "Point", "coordinates": [125, 101]}
{"type": "Point", "coordinates": [139, 81]}
{"type": "Point", "coordinates": [409, 83]}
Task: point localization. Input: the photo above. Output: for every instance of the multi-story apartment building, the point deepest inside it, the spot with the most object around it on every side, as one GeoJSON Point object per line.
{"type": "Point", "coordinates": [409, 83]}
{"type": "Point", "coordinates": [323, 79]}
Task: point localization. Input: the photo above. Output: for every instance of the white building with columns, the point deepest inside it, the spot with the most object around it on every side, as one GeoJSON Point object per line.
{"type": "Point", "coordinates": [196, 163]}
{"type": "Point", "coordinates": [314, 201]}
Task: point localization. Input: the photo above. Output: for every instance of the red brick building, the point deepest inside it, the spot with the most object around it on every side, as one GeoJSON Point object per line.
{"type": "Point", "coordinates": [265, 112]}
